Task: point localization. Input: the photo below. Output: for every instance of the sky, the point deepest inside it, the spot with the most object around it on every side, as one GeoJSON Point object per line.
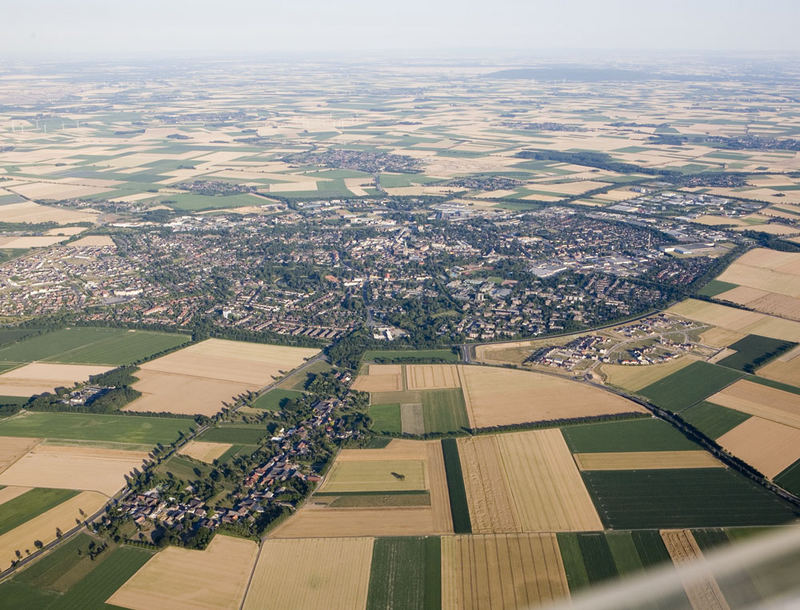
{"type": "Point", "coordinates": [105, 29]}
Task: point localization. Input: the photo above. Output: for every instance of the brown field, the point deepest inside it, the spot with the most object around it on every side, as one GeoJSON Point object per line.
{"type": "Point", "coordinates": [635, 378]}
{"type": "Point", "coordinates": [785, 368]}
{"type": "Point", "coordinates": [768, 271]}
{"type": "Point", "coordinates": [380, 378]}
{"type": "Point", "coordinates": [13, 448]}
{"type": "Point", "coordinates": [186, 394]}
{"type": "Point", "coordinates": [92, 241]}
{"type": "Point", "coordinates": [35, 214]}
{"type": "Point", "coordinates": [43, 527]}
{"type": "Point", "coordinates": [30, 241]}
{"type": "Point", "coordinates": [720, 337]}
{"type": "Point", "coordinates": [73, 467]}
{"type": "Point", "coordinates": [779, 305]}
{"type": "Point", "coordinates": [411, 418]}
{"type": "Point", "coordinates": [56, 190]}
{"type": "Point", "coordinates": [432, 376]}
{"type": "Point", "coordinates": [737, 320]}
{"type": "Point", "coordinates": [316, 519]}
{"type": "Point", "coordinates": [183, 579]}
{"type": "Point", "coordinates": [756, 399]}
{"type": "Point", "coordinates": [501, 571]}
{"type": "Point", "coordinates": [38, 377]}
{"type": "Point", "coordinates": [529, 397]}
{"type": "Point", "coordinates": [646, 460]}
{"type": "Point", "coordinates": [9, 493]}
{"type": "Point", "coordinates": [328, 574]}
{"type": "Point", "coordinates": [203, 451]}
{"type": "Point", "coordinates": [768, 446]}
{"type": "Point", "coordinates": [375, 475]}
{"type": "Point", "coordinates": [701, 587]}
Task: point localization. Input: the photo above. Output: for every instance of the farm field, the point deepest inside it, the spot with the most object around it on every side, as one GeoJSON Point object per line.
{"type": "Point", "coordinates": [43, 526]}
{"type": "Point", "coordinates": [85, 468]}
{"type": "Point", "coordinates": [633, 499]}
{"type": "Point", "coordinates": [713, 420]}
{"type": "Point", "coordinates": [431, 377]}
{"type": "Point", "coordinates": [204, 451]}
{"type": "Point", "coordinates": [356, 499]}
{"type": "Point", "coordinates": [407, 356]}
{"type": "Point", "coordinates": [199, 378]}
{"type": "Point", "coordinates": [39, 377]}
{"type": "Point", "coordinates": [91, 345]}
{"type": "Point", "coordinates": [386, 418]}
{"type": "Point", "coordinates": [767, 446]}
{"type": "Point", "coordinates": [181, 578]}
{"type": "Point", "coordinates": [784, 368]}
{"type": "Point", "coordinates": [13, 448]}
{"type": "Point", "coordinates": [737, 321]}
{"type": "Point", "coordinates": [92, 427]}
{"type": "Point", "coordinates": [634, 378]}
{"type": "Point", "coordinates": [760, 400]}
{"type": "Point", "coordinates": [31, 503]}
{"type": "Point", "coordinates": [645, 434]}
{"type": "Point", "coordinates": [501, 571]}
{"type": "Point", "coordinates": [555, 398]}
{"type": "Point", "coordinates": [309, 574]}
{"type": "Point", "coordinates": [646, 460]}
{"type": "Point", "coordinates": [702, 590]}
{"type": "Point", "coordinates": [754, 351]}
{"type": "Point", "coordinates": [525, 480]}
{"type": "Point", "coordinates": [272, 400]}
{"type": "Point", "coordinates": [242, 434]}
{"type": "Point", "coordinates": [405, 573]}
{"type": "Point", "coordinates": [689, 386]}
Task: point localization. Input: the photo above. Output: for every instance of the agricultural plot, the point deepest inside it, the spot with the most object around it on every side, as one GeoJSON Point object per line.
{"type": "Point", "coordinates": [181, 578]}
{"type": "Point", "coordinates": [785, 368]}
{"type": "Point", "coordinates": [241, 434]}
{"type": "Point", "coordinates": [645, 434]}
{"type": "Point", "coordinates": [646, 460]}
{"type": "Point", "coordinates": [789, 479]}
{"type": "Point", "coordinates": [768, 446]}
{"type": "Point", "coordinates": [92, 427]}
{"type": "Point", "coordinates": [409, 356]}
{"type": "Point", "coordinates": [386, 418]}
{"type": "Point", "coordinates": [501, 571]}
{"type": "Point", "coordinates": [754, 351]}
{"type": "Point", "coordinates": [738, 322]}
{"type": "Point", "coordinates": [532, 397]}
{"type": "Point", "coordinates": [713, 420]}
{"type": "Point", "coordinates": [405, 573]}
{"type": "Point", "coordinates": [75, 467]}
{"type": "Point", "coordinates": [431, 377]}
{"type": "Point", "coordinates": [701, 589]}
{"type": "Point", "coordinates": [29, 504]}
{"type": "Point", "coordinates": [689, 386]}
{"type": "Point", "coordinates": [309, 573]}
{"type": "Point", "coordinates": [682, 498]}
{"type": "Point", "coordinates": [199, 378]}
{"type": "Point", "coordinates": [760, 400]}
{"type": "Point", "coordinates": [204, 451]}
{"type": "Point", "coordinates": [39, 377]}
{"type": "Point", "coordinates": [634, 378]}
{"type": "Point", "coordinates": [11, 449]}
{"type": "Point", "coordinates": [398, 490]}
{"type": "Point", "coordinates": [43, 526]}
{"type": "Point", "coordinates": [381, 378]}
{"type": "Point", "coordinates": [274, 399]}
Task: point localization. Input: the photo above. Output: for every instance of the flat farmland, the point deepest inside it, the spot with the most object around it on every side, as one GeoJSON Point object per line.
{"type": "Point", "coordinates": [381, 378]}
{"type": "Point", "coordinates": [634, 378]}
{"type": "Point", "coordinates": [309, 574]}
{"type": "Point", "coordinates": [204, 451]}
{"type": "Point", "coordinates": [183, 394]}
{"type": "Point", "coordinates": [689, 385]}
{"type": "Point", "coordinates": [762, 401]}
{"type": "Point", "coordinates": [405, 573]}
{"type": "Point", "coordinates": [43, 526]}
{"type": "Point", "coordinates": [85, 468]}
{"type": "Point", "coordinates": [531, 397]}
{"type": "Point", "coordinates": [701, 589]}
{"type": "Point", "coordinates": [785, 368]}
{"type": "Point", "coordinates": [38, 377]}
{"type": "Point", "coordinates": [28, 504]}
{"type": "Point", "coordinates": [713, 420]}
{"type": "Point", "coordinates": [628, 499]}
{"type": "Point", "coordinates": [431, 376]}
{"type": "Point", "coordinates": [501, 571]}
{"type": "Point", "coordinates": [768, 271]}
{"type": "Point", "coordinates": [646, 460]}
{"type": "Point", "coordinates": [91, 427]}
{"type": "Point", "coordinates": [739, 322]}
{"type": "Point", "coordinates": [645, 434]}
{"type": "Point", "coordinates": [182, 579]}
{"type": "Point", "coordinates": [753, 351]}
{"type": "Point", "coordinates": [375, 475]}
{"type": "Point", "coordinates": [13, 448]}
{"type": "Point", "coordinates": [768, 446]}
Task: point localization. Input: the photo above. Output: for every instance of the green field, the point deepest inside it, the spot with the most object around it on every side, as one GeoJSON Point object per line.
{"type": "Point", "coordinates": [459, 508]}
{"type": "Point", "coordinates": [89, 345]}
{"type": "Point", "coordinates": [184, 468]}
{"type": "Point", "coordinates": [192, 202]}
{"type": "Point", "coordinates": [235, 450]}
{"type": "Point", "coordinates": [444, 410]}
{"type": "Point", "coordinates": [389, 356]}
{"type": "Point", "coordinates": [713, 420]}
{"type": "Point", "coordinates": [299, 380]}
{"type": "Point", "coordinates": [405, 573]}
{"type": "Point", "coordinates": [641, 499]}
{"type": "Point", "coordinates": [10, 335]}
{"type": "Point", "coordinates": [754, 351]}
{"type": "Point", "coordinates": [689, 385]}
{"type": "Point", "coordinates": [715, 287]}
{"type": "Point", "coordinates": [31, 504]}
{"type": "Point", "coordinates": [271, 401]}
{"type": "Point", "coordinates": [789, 479]}
{"type": "Point", "coordinates": [386, 418]}
{"type": "Point", "coordinates": [630, 435]}
{"type": "Point", "coordinates": [91, 427]}
{"type": "Point", "coordinates": [240, 434]}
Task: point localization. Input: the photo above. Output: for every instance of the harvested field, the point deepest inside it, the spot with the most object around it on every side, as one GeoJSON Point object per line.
{"type": "Point", "coordinates": [43, 527]}
{"type": "Point", "coordinates": [86, 468]}
{"type": "Point", "coordinates": [177, 578]}
{"type": "Point", "coordinates": [236, 361]}
{"type": "Point", "coordinates": [646, 460]}
{"type": "Point", "coordinates": [13, 448]}
{"type": "Point", "coordinates": [768, 270]}
{"type": "Point", "coordinates": [766, 445]}
{"type": "Point", "coordinates": [381, 378]}
{"type": "Point", "coordinates": [760, 400]}
{"type": "Point", "coordinates": [411, 418]}
{"type": "Point", "coordinates": [203, 451]}
{"type": "Point", "coordinates": [185, 394]}
{"type": "Point", "coordinates": [39, 377]}
{"type": "Point", "coordinates": [30, 241]}
{"type": "Point", "coordinates": [93, 241]}
{"type": "Point", "coordinates": [701, 588]}
{"type": "Point", "coordinates": [390, 475]}
{"type": "Point", "coordinates": [785, 369]}
{"type": "Point", "coordinates": [530, 397]}
{"type": "Point", "coordinates": [309, 574]}
{"type": "Point", "coordinates": [501, 571]}
{"type": "Point", "coordinates": [737, 320]}
{"type": "Point", "coordinates": [513, 352]}
{"type": "Point", "coordinates": [34, 213]}
{"type": "Point", "coordinates": [9, 493]}
{"type": "Point", "coordinates": [635, 378]}
{"type": "Point", "coordinates": [432, 376]}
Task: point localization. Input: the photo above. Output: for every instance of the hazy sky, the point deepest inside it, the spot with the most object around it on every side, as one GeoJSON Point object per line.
{"type": "Point", "coordinates": [66, 29]}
